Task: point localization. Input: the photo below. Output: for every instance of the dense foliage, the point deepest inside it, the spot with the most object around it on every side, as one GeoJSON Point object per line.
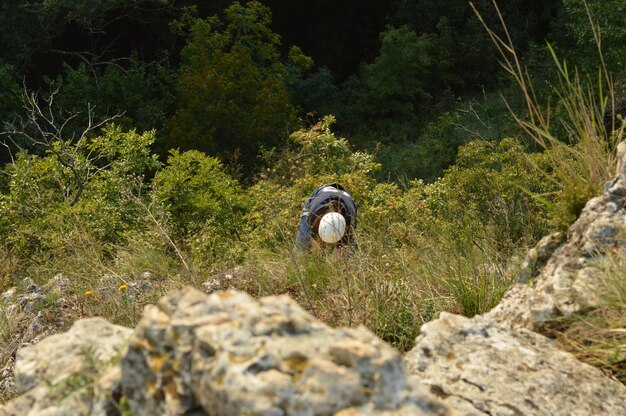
{"type": "Point", "coordinates": [225, 77]}
{"type": "Point", "coordinates": [182, 137]}
{"type": "Point", "coordinates": [233, 89]}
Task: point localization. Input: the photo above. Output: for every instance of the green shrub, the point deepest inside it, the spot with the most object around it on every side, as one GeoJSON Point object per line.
{"type": "Point", "coordinates": [205, 205]}
{"type": "Point", "coordinates": [47, 204]}
{"type": "Point", "coordinates": [486, 192]}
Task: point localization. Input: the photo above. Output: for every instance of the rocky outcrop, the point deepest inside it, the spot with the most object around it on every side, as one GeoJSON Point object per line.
{"type": "Point", "coordinates": [25, 310]}
{"type": "Point", "coordinates": [495, 364]}
{"type": "Point", "coordinates": [223, 354]}
{"type": "Point", "coordinates": [559, 279]}
{"type": "Point", "coordinates": [228, 354]}
{"type": "Point", "coordinates": [73, 373]}
{"type": "Point", "coordinates": [482, 367]}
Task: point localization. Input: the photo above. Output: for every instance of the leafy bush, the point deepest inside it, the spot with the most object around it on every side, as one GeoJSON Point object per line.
{"type": "Point", "coordinates": [489, 191]}
{"type": "Point", "coordinates": [233, 89]}
{"type": "Point", "coordinates": [205, 205]}
{"type": "Point", "coordinates": [40, 210]}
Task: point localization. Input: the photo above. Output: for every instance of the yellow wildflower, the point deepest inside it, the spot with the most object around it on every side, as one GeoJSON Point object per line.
{"type": "Point", "coordinates": [122, 288]}
{"type": "Point", "coordinates": [89, 293]}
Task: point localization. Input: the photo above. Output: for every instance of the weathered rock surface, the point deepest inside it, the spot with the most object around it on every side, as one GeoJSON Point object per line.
{"type": "Point", "coordinates": [564, 285]}
{"type": "Point", "coordinates": [69, 373]}
{"type": "Point", "coordinates": [220, 280]}
{"type": "Point", "coordinates": [228, 354]}
{"type": "Point", "coordinates": [482, 367]}
{"type": "Point", "coordinates": [24, 313]}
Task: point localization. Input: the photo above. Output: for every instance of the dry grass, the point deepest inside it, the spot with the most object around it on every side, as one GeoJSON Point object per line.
{"type": "Point", "coordinates": [392, 291]}
{"type": "Point", "coordinates": [583, 132]}
{"type": "Point", "coordinates": [599, 337]}
{"type": "Point", "coordinates": [8, 268]}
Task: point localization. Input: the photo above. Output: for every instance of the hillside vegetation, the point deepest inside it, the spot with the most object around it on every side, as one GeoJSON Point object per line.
{"type": "Point", "coordinates": [169, 143]}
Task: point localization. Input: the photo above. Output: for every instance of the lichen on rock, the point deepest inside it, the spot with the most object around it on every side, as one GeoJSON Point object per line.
{"type": "Point", "coordinates": [483, 367]}
{"type": "Point", "coordinates": [564, 281]}
{"type": "Point", "coordinates": [229, 354]}
{"type": "Point", "coordinates": [73, 373]}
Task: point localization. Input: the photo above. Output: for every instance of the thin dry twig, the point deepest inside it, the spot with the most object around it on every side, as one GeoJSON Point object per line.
{"type": "Point", "coordinates": [43, 128]}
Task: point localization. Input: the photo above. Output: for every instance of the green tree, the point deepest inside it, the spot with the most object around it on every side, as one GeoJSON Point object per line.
{"type": "Point", "coordinates": [10, 100]}
{"type": "Point", "coordinates": [389, 93]}
{"type": "Point", "coordinates": [395, 80]}
{"type": "Point", "coordinates": [142, 93]}
{"type": "Point", "coordinates": [233, 89]}
{"type": "Point", "coordinates": [392, 96]}
{"type": "Point", "coordinates": [472, 60]}
{"type": "Point", "coordinates": [9, 91]}
{"type": "Point", "coordinates": [316, 93]}
{"type": "Point", "coordinates": [608, 15]}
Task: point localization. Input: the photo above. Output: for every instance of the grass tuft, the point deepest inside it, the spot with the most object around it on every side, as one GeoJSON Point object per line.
{"type": "Point", "coordinates": [599, 337]}
{"type": "Point", "coordinates": [392, 291]}
{"type": "Point", "coordinates": [580, 134]}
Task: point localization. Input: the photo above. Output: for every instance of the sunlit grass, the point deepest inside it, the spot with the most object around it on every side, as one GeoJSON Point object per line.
{"type": "Point", "coordinates": [581, 131]}
{"type": "Point", "coordinates": [599, 337]}
{"type": "Point", "coordinates": [392, 291]}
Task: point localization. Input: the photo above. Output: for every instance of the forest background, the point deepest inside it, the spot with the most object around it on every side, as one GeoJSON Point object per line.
{"type": "Point", "coordinates": [170, 141]}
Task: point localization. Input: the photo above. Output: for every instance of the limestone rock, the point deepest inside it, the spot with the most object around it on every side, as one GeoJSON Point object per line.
{"type": "Point", "coordinates": [7, 381]}
{"type": "Point", "coordinates": [564, 285]}
{"type": "Point", "coordinates": [211, 285]}
{"type": "Point", "coordinates": [58, 284]}
{"type": "Point", "coordinates": [8, 295]}
{"type": "Point", "coordinates": [220, 280]}
{"type": "Point", "coordinates": [481, 367]}
{"type": "Point", "coordinates": [537, 257]}
{"type": "Point", "coordinates": [42, 401]}
{"type": "Point", "coordinates": [33, 313]}
{"type": "Point", "coordinates": [228, 354]}
{"type": "Point", "coordinates": [63, 374]}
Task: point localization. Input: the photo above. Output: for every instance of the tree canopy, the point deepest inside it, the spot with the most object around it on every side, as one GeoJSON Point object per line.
{"type": "Point", "coordinates": [234, 79]}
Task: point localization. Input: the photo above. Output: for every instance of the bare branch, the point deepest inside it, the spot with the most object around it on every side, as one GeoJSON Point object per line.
{"type": "Point", "coordinates": [41, 128]}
